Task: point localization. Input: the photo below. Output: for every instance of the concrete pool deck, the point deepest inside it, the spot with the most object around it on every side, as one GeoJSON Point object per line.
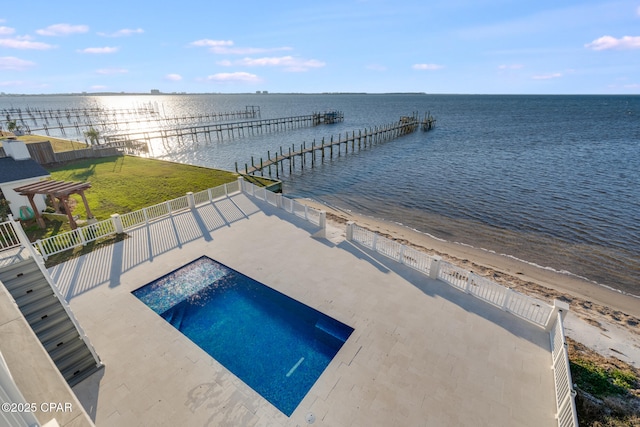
{"type": "Point", "coordinates": [421, 354]}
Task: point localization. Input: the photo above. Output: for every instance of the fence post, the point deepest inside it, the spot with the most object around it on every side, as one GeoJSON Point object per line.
{"type": "Point", "coordinates": [322, 222]}
{"type": "Point", "coordinates": [558, 307]}
{"type": "Point", "coordinates": [306, 213]}
{"type": "Point", "coordinates": [81, 236]}
{"type": "Point", "coordinates": [241, 184]}
{"type": "Point", "coordinates": [24, 240]}
{"type": "Point", "coordinates": [507, 297]}
{"type": "Point", "coordinates": [146, 217]}
{"type": "Point", "coordinates": [41, 249]}
{"type": "Point", "coordinates": [434, 268]}
{"type": "Point", "coordinates": [117, 223]}
{"type": "Point", "coordinates": [279, 200]}
{"type": "Point", "coordinates": [467, 287]}
{"type": "Point", "coordinates": [374, 243]}
{"type": "Point", "coordinates": [191, 201]}
{"type": "Point", "coordinates": [350, 225]}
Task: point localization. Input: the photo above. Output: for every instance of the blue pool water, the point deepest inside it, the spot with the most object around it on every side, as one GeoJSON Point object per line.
{"type": "Point", "coordinates": [275, 344]}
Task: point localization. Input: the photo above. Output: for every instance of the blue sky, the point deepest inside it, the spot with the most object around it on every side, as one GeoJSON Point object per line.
{"type": "Point", "coordinates": [452, 46]}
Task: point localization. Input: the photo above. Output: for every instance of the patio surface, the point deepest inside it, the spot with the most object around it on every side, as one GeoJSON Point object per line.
{"type": "Point", "coordinates": [421, 354]}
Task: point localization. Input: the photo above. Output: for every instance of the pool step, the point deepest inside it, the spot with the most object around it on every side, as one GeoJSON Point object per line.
{"type": "Point", "coordinates": [332, 332]}
{"type": "Point", "coordinates": [49, 320]}
{"type": "Point", "coordinates": [175, 315]}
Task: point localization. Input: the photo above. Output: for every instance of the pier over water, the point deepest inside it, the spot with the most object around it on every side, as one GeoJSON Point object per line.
{"type": "Point", "coordinates": [360, 140]}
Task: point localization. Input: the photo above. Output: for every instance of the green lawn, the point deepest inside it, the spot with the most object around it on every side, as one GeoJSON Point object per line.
{"type": "Point", "coordinates": [125, 184]}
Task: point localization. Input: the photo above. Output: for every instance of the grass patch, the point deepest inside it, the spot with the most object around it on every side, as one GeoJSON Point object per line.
{"type": "Point", "coordinates": [124, 184]}
{"type": "Point", "coordinates": [608, 388]}
{"type": "Point", "coordinates": [34, 232]}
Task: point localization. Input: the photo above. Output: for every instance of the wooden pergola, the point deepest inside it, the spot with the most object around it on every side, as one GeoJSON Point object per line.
{"type": "Point", "coordinates": [59, 192]}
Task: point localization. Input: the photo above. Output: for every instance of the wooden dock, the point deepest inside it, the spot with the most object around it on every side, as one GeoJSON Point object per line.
{"type": "Point", "coordinates": [428, 122]}
{"type": "Point", "coordinates": [186, 137]}
{"type": "Point", "coordinates": [357, 140]}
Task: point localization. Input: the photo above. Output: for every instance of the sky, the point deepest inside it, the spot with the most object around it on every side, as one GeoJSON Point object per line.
{"type": "Point", "coordinates": [376, 46]}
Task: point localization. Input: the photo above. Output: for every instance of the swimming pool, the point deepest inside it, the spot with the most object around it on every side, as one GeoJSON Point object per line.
{"type": "Point", "coordinates": [275, 344]}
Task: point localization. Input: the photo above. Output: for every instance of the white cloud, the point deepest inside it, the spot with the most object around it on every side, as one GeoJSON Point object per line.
{"type": "Point", "coordinates": [638, 11]}
{"type": "Point", "coordinates": [98, 87]}
{"type": "Point", "coordinates": [173, 77]}
{"type": "Point", "coordinates": [224, 50]}
{"type": "Point", "coordinates": [547, 76]}
{"type": "Point", "coordinates": [125, 32]}
{"type": "Point", "coordinates": [225, 63]}
{"type": "Point", "coordinates": [427, 67]}
{"type": "Point", "coordinates": [211, 43]}
{"type": "Point", "coordinates": [5, 31]}
{"type": "Point", "coordinates": [288, 62]}
{"type": "Point", "coordinates": [62, 30]}
{"type": "Point", "coordinates": [108, 71]}
{"type": "Point", "coordinates": [24, 43]}
{"type": "Point", "coordinates": [13, 63]}
{"type": "Point", "coordinates": [99, 50]}
{"type": "Point", "coordinates": [238, 76]}
{"type": "Point", "coordinates": [510, 67]}
{"type": "Point", "coordinates": [224, 47]}
{"type": "Point", "coordinates": [609, 42]}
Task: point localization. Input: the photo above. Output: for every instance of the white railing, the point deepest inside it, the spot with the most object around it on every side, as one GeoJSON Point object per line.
{"type": "Point", "coordinates": [202, 197]}
{"type": "Point", "coordinates": [453, 275]}
{"type": "Point", "coordinates": [10, 394]}
{"type": "Point", "coordinates": [565, 395]}
{"type": "Point", "coordinates": [217, 192]}
{"type": "Point", "coordinates": [524, 306]}
{"type": "Point", "coordinates": [133, 219]}
{"type": "Point", "coordinates": [232, 187]}
{"type": "Point", "coordinates": [299, 209]}
{"type": "Point", "coordinates": [8, 237]}
{"type": "Point", "coordinates": [80, 236]}
{"type": "Point", "coordinates": [390, 248]}
{"type": "Point", "coordinates": [270, 197]}
{"type": "Point", "coordinates": [83, 235]}
{"type": "Point", "coordinates": [417, 260]}
{"type": "Point", "coordinates": [314, 216]}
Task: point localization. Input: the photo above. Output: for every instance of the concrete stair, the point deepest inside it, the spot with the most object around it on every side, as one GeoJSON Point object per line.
{"type": "Point", "coordinates": [49, 320]}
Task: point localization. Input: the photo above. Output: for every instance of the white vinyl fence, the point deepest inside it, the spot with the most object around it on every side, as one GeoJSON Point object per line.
{"type": "Point", "coordinates": [565, 394]}
{"type": "Point", "coordinates": [121, 223]}
{"type": "Point", "coordinates": [314, 216]}
{"type": "Point", "coordinates": [8, 237]}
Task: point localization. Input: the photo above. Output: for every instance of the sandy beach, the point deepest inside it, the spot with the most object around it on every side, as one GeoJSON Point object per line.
{"type": "Point", "coordinates": [601, 318]}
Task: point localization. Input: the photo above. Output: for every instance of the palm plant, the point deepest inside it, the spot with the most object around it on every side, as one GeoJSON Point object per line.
{"type": "Point", "coordinates": [93, 134]}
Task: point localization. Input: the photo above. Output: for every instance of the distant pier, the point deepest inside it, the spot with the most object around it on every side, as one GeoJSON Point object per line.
{"type": "Point", "coordinates": [78, 120]}
{"type": "Point", "coordinates": [354, 141]}
{"type": "Point", "coordinates": [192, 135]}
